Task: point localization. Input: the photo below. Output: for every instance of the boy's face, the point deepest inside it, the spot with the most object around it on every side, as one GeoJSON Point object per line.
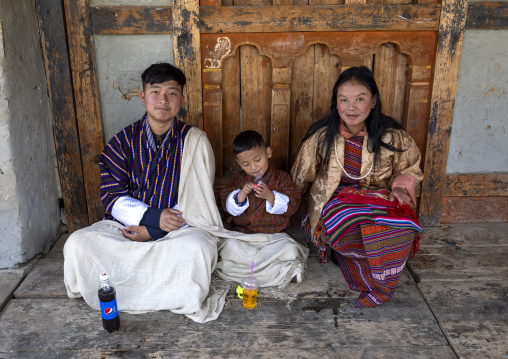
{"type": "Point", "coordinates": [255, 160]}
{"type": "Point", "coordinates": [162, 102]}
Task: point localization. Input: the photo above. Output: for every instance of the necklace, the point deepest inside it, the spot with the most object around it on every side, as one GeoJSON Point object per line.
{"type": "Point", "coordinates": [343, 170]}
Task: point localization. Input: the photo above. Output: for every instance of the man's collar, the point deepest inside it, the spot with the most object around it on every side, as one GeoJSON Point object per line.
{"type": "Point", "coordinates": [149, 133]}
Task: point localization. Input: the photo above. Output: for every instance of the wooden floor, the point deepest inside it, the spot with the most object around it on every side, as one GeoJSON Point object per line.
{"type": "Point", "coordinates": [452, 302]}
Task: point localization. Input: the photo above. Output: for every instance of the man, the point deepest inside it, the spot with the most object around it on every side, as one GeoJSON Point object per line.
{"type": "Point", "coordinates": [160, 237]}
{"type": "Point", "coordinates": [154, 141]}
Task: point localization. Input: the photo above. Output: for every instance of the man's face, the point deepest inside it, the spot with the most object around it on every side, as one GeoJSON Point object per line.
{"type": "Point", "coordinates": [162, 102]}
{"type": "Point", "coordinates": [255, 160]}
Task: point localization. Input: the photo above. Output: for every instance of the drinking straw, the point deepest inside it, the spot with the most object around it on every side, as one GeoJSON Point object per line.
{"type": "Point", "coordinates": [251, 270]}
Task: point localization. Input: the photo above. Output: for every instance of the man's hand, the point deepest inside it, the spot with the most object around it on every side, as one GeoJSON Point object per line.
{"type": "Point", "coordinates": [171, 220]}
{"type": "Point", "coordinates": [401, 195]}
{"type": "Point", "coordinates": [262, 191]}
{"type": "Point", "coordinates": [136, 233]}
{"type": "Point", "coordinates": [245, 191]}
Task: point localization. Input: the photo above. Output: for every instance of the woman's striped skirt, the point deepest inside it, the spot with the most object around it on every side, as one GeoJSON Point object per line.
{"type": "Point", "coordinates": [371, 239]}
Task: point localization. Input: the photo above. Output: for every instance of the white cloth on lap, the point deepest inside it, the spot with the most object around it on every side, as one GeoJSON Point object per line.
{"type": "Point", "coordinates": [174, 273]}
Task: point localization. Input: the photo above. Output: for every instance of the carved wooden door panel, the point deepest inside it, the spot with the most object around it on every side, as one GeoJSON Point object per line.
{"type": "Point", "coordinates": [280, 83]}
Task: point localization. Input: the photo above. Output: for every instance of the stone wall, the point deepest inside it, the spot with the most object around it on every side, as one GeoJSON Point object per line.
{"type": "Point", "coordinates": [29, 187]}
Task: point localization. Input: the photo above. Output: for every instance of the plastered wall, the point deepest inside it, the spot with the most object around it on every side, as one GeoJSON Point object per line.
{"type": "Point", "coordinates": [479, 138]}
{"type": "Point", "coordinates": [29, 188]}
{"type": "Point", "coordinates": [121, 59]}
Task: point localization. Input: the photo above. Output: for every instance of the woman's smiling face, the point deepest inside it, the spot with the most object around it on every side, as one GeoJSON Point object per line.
{"type": "Point", "coordinates": [354, 103]}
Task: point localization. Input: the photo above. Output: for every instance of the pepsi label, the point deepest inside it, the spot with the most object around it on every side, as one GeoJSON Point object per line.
{"type": "Point", "coordinates": [109, 310]}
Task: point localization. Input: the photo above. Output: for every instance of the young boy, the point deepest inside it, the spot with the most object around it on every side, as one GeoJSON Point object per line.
{"type": "Point", "coordinates": [262, 198]}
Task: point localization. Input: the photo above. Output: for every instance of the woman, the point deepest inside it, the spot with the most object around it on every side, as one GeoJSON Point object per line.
{"type": "Point", "coordinates": [364, 169]}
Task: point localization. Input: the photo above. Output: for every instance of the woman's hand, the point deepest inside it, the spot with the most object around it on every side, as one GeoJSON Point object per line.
{"type": "Point", "coordinates": [136, 233]}
{"type": "Point", "coordinates": [401, 195]}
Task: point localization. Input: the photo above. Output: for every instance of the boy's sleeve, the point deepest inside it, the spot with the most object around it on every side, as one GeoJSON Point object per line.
{"type": "Point", "coordinates": [280, 203]}
{"type": "Point", "coordinates": [232, 207]}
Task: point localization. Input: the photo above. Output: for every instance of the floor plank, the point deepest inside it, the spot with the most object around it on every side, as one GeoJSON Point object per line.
{"type": "Point", "coordinates": [311, 323]}
{"type": "Point", "coordinates": [398, 352]}
{"type": "Point", "coordinates": [445, 267]}
{"type": "Point", "coordinates": [475, 234]}
{"type": "Point", "coordinates": [56, 252]}
{"type": "Point", "coordinates": [478, 338]}
{"type": "Point", "coordinates": [467, 300]}
{"type": "Point", "coordinates": [462, 252]}
{"type": "Point", "coordinates": [320, 281]}
{"type": "Point", "coordinates": [8, 283]}
{"type": "Point", "coordinates": [473, 315]}
{"type": "Point", "coordinates": [46, 280]}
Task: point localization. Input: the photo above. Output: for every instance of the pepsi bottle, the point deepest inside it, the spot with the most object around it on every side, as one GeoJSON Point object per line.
{"type": "Point", "coordinates": [109, 309]}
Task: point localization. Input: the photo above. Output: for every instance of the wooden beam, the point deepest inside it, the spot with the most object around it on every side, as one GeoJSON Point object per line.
{"type": "Point", "coordinates": [56, 59]}
{"type": "Point", "coordinates": [186, 45]}
{"type": "Point", "coordinates": [226, 19]}
{"type": "Point", "coordinates": [86, 97]}
{"type": "Point", "coordinates": [231, 19]}
{"type": "Point", "coordinates": [446, 74]}
{"type": "Point", "coordinates": [117, 20]}
{"type": "Point", "coordinates": [486, 185]}
{"type": "Point", "coordinates": [125, 20]}
{"type": "Point", "coordinates": [487, 15]}
{"type": "Point", "coordinates": [474, 209]}
{"type": "Point", "coordinates": [210, 3]}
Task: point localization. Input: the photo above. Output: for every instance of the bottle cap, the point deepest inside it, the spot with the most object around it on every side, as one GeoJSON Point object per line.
{"type": "Point", "coordinates": [104, 277]}
{"type": "Point", "coordinates": [258, 179]}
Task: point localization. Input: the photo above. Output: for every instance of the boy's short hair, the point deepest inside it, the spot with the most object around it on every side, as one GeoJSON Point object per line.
{"type": "Point", "coordinates": [162, 72]}
{"type": "Point", "coordinates": [247, 140]}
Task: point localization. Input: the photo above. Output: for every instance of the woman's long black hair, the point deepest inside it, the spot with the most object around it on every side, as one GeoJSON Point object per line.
{"type": "Point", "coordinates": [377, 123]}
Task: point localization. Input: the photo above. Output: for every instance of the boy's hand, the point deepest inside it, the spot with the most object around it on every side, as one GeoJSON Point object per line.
{"type": "Point", "coordinates": [245, 191]}
{"type": "Point", "coordinates": [262, 191]}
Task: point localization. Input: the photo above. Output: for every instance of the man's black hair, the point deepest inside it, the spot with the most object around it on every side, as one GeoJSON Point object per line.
{"type": "Point", "coordinates": [247, 140]}
{"type": "Point", "coordinates": [162, 72]}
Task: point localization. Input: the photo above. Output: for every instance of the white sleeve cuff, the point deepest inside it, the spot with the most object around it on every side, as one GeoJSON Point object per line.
{"type": "Point", "coordinates": [280, 204]}
{"type": "Point", "coordinates": [129, 211]}
{"type": "Point", "coordinates": [232, 207]}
